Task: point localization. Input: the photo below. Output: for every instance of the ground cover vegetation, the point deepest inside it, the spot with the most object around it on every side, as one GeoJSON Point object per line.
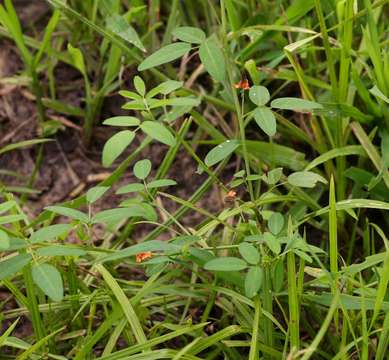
{"type": "Point", "coordinates": [194, 179]}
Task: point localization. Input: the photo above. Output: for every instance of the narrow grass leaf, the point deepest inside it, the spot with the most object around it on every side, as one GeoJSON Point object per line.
{"type": "Point", "coordinates": [125, 304]}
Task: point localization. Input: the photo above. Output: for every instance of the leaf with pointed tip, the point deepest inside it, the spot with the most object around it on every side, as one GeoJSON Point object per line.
{"type": "Point", "coordinates": [143, 210]}
{"type": "Point", "coordinates": [134, 187]}
{"type": "Point", "coordinates": [95, 193]}
{"type": "Point", "coordinates": [60, 250]}
{"type": "Point", "coordinates": [50, 232]}
{"type": "Point", "coordinates": [276, 223]}
{"type": "Point", "coordinates": [225, 264]}
{"type": "Point", "coordinates": [119, 26]}
{"type": "Point", "coordinates": [49, 280]}
{"type": "Point", "coordinates": [296, 104]}
{"type": "Point", "coordinates": [69, 212]}
{"type": "Point", "coordinates": [4, 240]}
{"type": "Point", "coordinates": [220, 152]}
{"type": "Point", "coordinates": [158, 132]}
{"type": "Point", "coordinates": [249, 253]}
{"type": "Point", "coordinates": [212, 58]}
{"type": "Point", "coordinates": [122, 121]}
{"type": "Point", "coordinates": [160, 183]}
{"type": "Point", "coordinates": [306, 179]}
{"type": "Point", "coordinates": [189, 34]}
{"type": "Point", "coordinates": [139, 85]}
{"type": "Point", "coordinates": [265, 119]}
{"type": "Point", "coordinates": [12, 265]}
{"type": "Point", "coordinates": [253, 281]}
{"type": "Point", "coordinates": [164, 55]}
{"type": "Point", "coordinates": [116, 145]}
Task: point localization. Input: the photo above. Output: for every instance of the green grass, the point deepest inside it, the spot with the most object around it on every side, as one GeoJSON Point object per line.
{"type": "Point", "coordinates": [293, 265]}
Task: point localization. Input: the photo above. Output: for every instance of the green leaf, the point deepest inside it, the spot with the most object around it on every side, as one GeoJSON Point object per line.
{"type": "Point", "coordinates": [13, 265]}
{"type": "Point", "coordinates": [272, 242]}
{"type": "Point", "coordinates": [160, 183]}
{"type": "Point", "coordinates": [4, 240]}
{"type": "Point", "coordinates": [249, 253]}
{"type": "Point", "coordinates": [189, 34]}
{"type": "Point", "coordinates": [8, 219]}
{"type": "Point", "coordinates": [164, 55]}
{"type": "Point", "coordinates": [139, 85]}
{"type": "Point", "coordinates": [116, 145]}
{"type": "Point", "coordinates": [77, 59]}
{"type": "Point", "coordinates": [69, 212]}
{"type": "Point", "coordinates": [212, 58]}
{"type": "Point", "coordinates": [165, 88]}
{"type": "Point", "coordinates": [60, 250]}
{"type": "Point", "coordinates": [379, 94]}
{"type": "Point", "coordinates": [145, 211]}
{"type": "Point", "coordinates": [276, 223]}
{"type": "Point", "coordinates": [177, 101]}
{"type": "Point", "coordinates": [259, 95]}
{"type": "Point", "coordinates": [296, 104]}
{"type": "Point", "coordinates": [130, 95]}
{"type": "Point", "coordinates": [22, 144]}
{"type": "Point", "coordinates": [142, 169]}
{"type": "Point", "coordinates": [273, 176]}
{"type": "Point", "coordinates": [225, 264]}
{"type": "Point", "coordinates": [50, 232]}
{"type": "Point", "coordinates": [135, 187]}
{"type": "Point", "coordinates": [306, 179]}
{"type": "Point", "coordinates": [6, 206]}
{"type": "Point", "coordinates": [265, 119]}
{"type": "Point", "coordinates": [220, 152]}
{"type": "Point", "coordinates": [253, 281]}
{"type": "Point", "coordinates": [95, 193]}
{"type": "Point", "coordinates": [119, 26]}
{"type": "Point", "coordinates": [122, 121]}
{"type": "Point", "coordinates": [49, 280]}
{"type": "Point", "coordinates": [158, 132]}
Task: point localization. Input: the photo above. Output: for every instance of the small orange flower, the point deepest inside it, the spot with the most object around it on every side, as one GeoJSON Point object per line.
{"type": "Point", "coordinates": [242, 84]}
{"type": "Point", "coordinates": [143, 256]}
{"type": "Point", "coordinates": [230, 197]}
